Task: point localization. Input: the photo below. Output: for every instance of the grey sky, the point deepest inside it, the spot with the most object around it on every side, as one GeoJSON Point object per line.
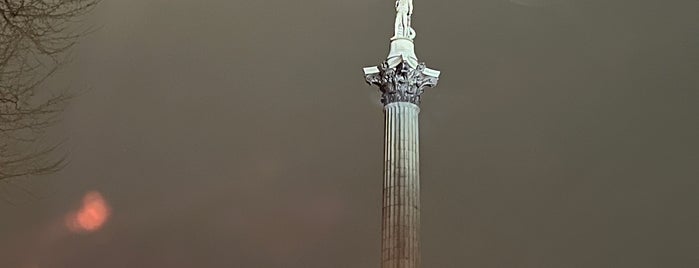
{"type": "Point", "coordinates": [241, 134]}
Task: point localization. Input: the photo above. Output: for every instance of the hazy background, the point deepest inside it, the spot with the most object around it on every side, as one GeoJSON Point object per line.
{"type": "Point", "coordinates": [564, 133]}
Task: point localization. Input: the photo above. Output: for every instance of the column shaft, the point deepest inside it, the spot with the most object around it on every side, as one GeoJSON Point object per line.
{"type": "Point", "coordinates": [401, 187]}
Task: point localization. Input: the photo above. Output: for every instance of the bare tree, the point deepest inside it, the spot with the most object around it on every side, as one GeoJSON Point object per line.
{"type": "Point", "coordinates": [34, 38]}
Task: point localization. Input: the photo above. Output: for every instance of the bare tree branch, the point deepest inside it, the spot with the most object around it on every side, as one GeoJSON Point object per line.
{"type": "Point", "coordinates": [34, 36]}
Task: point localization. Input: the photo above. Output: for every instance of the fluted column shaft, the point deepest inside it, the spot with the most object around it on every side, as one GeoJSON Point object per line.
{"type": "Point", "coordinates": [401, 187]}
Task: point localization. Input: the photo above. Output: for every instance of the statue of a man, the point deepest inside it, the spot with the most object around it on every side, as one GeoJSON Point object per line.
{"type": "Point", "coordinates": [404, 9]}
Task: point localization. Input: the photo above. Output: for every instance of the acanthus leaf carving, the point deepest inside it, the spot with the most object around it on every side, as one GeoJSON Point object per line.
{"type": "Point", "coordinates": [402, 83]}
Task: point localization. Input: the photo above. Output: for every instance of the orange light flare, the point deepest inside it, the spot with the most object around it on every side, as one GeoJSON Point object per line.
{"type": "Point", "coordinates": [91, 216]}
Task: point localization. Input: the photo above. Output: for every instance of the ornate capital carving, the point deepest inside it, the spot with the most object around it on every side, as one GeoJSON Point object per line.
{"type": "Point", "coordinates": [401, 83]}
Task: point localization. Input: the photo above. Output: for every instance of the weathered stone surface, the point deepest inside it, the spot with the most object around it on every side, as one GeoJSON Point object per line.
{"type": "Point", "coordinates": [402, 79]}
{"type": "Point", "coordinates": [400, 243]}
{"type": "Point", "coordinates": [401, 83]}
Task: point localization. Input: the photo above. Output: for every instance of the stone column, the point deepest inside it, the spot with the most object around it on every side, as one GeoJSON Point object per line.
{"type": "Point", "coordinates": [401, 86]}
{"type": "Point", "coordinates": [400, 228]}
{"type": "Point", "coordinates": [402, 79]}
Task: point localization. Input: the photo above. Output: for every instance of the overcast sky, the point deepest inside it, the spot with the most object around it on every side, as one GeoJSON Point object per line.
{"type": "Point", "coordinates": [564, 133]}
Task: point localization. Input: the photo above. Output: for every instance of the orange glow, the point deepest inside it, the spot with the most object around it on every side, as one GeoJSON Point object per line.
{"type": "Point", "coordinates": [91, 216]}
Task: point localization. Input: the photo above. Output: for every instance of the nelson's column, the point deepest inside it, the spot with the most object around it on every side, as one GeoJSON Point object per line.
{"type": "Point", "coordinates": [401, 79]}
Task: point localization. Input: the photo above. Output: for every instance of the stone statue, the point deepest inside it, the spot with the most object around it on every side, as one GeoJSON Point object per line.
{"type": "Point", "coordinates": [401, 77]}
{"type": "Point", "coordinates": [404, 9]}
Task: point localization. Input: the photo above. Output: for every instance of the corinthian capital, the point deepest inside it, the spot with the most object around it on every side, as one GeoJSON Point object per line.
{"type": "Point", "coordinates": [401, 83]}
